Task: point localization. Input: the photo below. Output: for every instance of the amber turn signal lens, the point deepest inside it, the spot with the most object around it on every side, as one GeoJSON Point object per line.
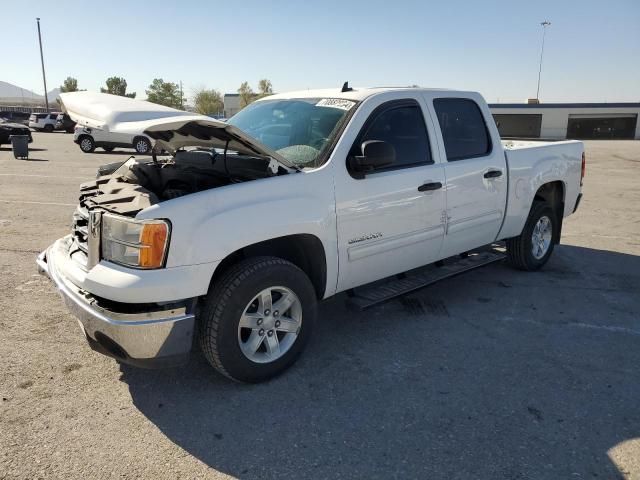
{"type": "Point", "coordinates": [153, 240]}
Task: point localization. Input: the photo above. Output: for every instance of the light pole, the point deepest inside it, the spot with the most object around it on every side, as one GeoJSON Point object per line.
{"type": "Point", "coordinates": [44, 78]}
{"type": "Point", "coordinates": [544, 24]}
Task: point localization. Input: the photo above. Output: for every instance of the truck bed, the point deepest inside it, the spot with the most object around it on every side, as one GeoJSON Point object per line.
{"type": "Point", "coordinates": [532, 163]}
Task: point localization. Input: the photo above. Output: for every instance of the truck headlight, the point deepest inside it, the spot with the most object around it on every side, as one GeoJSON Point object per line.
{"type": "Point", "coordinates": [139, 244]}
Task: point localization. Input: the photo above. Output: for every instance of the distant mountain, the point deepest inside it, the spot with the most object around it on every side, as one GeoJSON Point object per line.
{"type": "Point", "coordinates": [8, 90]}
{"type": "Point", "coordinates": [10, 93]}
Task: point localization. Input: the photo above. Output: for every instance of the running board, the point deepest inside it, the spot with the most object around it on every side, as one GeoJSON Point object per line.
{"type": "Point", "coordinates": [368, 296]}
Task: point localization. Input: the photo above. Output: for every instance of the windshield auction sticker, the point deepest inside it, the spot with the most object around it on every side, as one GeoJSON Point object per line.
{"type": "Point", "coordinates": [340, 103]}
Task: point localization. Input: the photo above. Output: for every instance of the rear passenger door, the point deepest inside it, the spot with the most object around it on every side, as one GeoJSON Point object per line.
{"type": "Point", "coordinates": [388, 221]}
{"type": "Point", "coordinates": [475, 170]}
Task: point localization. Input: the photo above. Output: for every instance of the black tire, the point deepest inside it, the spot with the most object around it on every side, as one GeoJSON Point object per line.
{"type": "Point", "coordinates": [108, 149]}
{"type": "Point", "coordinates": [142, 145]}
{"type": "Point", "coordinates": [520, 249]}
{"type": "Point", "coordinates": [48, 128]}
{"type": "Point", "coordinates": [225, 303]}
{"type": "Point", "coordinates": [86, 143]}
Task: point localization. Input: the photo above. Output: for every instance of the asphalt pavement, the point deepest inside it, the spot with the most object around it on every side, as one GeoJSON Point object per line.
{"type": "Point", "coordinates": [495, 374]}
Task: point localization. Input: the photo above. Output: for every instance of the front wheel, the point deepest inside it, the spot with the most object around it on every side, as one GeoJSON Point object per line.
{"type": "Point", "coordinates": [257, 319]}
{"type": "Point", "coordinates": [142, 145]}
{"type": "Point", "coordinates": [533, 247]}
{"type": "Point", "coordinates": [87, 145]}
{"type": "Point", "coordinates": [48, 128]}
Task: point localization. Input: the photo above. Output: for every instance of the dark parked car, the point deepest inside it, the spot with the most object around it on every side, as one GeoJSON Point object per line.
{"type": "Point", "coordinates": [64, 122]}
{"type": "Point", "coordinates": [15, 117]}
{"type": "Point", "coordinates": [9, 128]}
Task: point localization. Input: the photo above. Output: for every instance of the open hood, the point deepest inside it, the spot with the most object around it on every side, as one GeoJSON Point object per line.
{"type": "Point", "coordinates": [171, 128]}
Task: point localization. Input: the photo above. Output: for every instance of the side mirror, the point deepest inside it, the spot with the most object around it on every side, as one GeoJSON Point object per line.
{"type": "Point", "coordinates": [375, 154]}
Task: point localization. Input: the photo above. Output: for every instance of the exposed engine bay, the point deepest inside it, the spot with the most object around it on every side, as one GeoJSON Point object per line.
{"type": "Point", "coordinates": [134, 185]}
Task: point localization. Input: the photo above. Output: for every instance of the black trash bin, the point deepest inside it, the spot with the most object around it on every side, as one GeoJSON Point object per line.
{"type": "Point", "coordinates": [20, 144]}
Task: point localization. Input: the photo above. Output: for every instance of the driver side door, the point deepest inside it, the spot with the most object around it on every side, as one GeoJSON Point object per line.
{"type": "Point", "coordinates": [390, 220]}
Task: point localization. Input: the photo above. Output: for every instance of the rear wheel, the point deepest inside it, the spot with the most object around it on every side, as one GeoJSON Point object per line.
{"type": "Point", "coordinates": [108, 149]}
{"type": "Point", "coordinates": [533, 247]}
{"type": "Point", "coordinates": [87, 145]}
{"type": "Point", "coordinates": [257, 319]}
{"type": "Point", "coordinates": [142, 145]}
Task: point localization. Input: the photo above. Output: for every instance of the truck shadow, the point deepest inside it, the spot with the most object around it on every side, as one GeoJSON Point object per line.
{"type": "Point", "coordinates": [493, 374]}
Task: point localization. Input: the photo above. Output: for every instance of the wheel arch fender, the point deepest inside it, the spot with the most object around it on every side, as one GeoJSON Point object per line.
{"type": "Point", "coordinates": [288, 214]}
{"type": "Point", "coordinates": [304, 250]}
{"type": "Point", "coordinates": [141, 137]}
{"type": "Point", "coordinates": [522, 196]}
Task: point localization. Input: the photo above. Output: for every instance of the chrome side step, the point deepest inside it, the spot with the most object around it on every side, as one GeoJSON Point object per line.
{"type": "Point", "coordinates": [392, 287]}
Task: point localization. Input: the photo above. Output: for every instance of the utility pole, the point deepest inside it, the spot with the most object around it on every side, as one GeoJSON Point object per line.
{"type": "Point", "coordinates": [44, 78]}
{"type": "Point", "coordinates": [181, 102]}
{"type": "Point", "coordinates": [544, 24]}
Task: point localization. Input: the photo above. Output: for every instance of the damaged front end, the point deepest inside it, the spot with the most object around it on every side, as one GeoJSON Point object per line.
{"type": "Point", "coordinates": [111, 269]}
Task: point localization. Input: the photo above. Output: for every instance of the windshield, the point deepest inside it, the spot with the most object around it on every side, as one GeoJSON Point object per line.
{"type": "Point", "coordinates": [298, 129]}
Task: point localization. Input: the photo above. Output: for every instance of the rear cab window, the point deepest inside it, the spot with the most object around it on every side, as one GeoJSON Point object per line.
{"type": "Point", "coordinates": [463, 128]}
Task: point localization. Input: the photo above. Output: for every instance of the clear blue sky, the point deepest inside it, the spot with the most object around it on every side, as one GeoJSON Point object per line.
{"type": "Point", "coordinates": [592, 50]}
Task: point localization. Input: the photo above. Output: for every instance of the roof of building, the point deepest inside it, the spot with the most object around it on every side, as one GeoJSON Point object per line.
{"type": "Point", "coordinates": [565, 105]}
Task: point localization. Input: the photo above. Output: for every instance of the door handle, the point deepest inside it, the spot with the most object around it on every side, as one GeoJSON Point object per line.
{"type": "Point", "coordinates": [493, 174]}
{"type": "Point", "coordinates": [427, 187]}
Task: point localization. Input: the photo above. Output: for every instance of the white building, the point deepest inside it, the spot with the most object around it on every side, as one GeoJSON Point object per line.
{"type": "Point", "coordinates": [568, 120]}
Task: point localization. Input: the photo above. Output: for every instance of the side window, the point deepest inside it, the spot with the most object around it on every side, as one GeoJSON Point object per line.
{"type": "Point", "coordinates": [463, 128]}
{"type": "Point", "coordinates": [53, 116]}
{"type": "Point", "coordinates": [402, 125]}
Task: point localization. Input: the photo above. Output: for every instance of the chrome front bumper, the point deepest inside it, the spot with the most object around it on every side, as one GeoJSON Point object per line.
{"type": "Point", "coordinates": [149, 337]}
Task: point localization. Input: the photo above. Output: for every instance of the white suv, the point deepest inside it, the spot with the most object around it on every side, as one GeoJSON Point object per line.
{"type": "Point", "coordinates": [89, 138]}
{"type": "Point", "coordinates": [43, 121]}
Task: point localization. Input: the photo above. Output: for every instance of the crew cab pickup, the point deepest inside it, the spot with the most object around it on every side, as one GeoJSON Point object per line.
{"type": "Point", "coordinates": [231, 240]}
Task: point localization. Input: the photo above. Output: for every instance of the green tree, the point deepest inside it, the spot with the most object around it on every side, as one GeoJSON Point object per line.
{"type": "Point", "coordinates": [69, 85]}
{"type": "Point", "coordinates": [265, 88]}
{"type": "Point", "coordinates": [117, 86]}
{"type": "Point", "coordinates": [246, 94]}
{"type": "Point", "coordinates": [164, 93]}
{"type": "Point", "coordinates": [208, 101]}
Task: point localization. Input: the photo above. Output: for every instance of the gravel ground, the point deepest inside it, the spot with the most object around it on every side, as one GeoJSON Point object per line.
{"type": "Point", "coordinates": [492, 374]}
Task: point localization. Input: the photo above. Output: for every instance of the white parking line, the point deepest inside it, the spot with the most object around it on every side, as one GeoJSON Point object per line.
{"type": "Point", "coordinates": [39, 203]}
{"type": "Point", "coordinates": [42, 176]}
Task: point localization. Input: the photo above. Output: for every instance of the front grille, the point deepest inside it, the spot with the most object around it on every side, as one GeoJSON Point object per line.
{"type": "Point", "coordinates": [79, 248]}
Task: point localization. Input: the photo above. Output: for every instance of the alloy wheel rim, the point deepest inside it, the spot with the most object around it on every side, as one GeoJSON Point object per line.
{"type": "Point", "coordinates": [270, 324]}
{"type": "Point", "coordinates": [541, 237]}
{"type": "Point", "coordinates": [142, 146]}
{"type": "Point", "coordinates": [86, 144]}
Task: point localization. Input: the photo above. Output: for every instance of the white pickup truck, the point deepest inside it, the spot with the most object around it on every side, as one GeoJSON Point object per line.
{"type": "Point", "coordinates": [231, 241]}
